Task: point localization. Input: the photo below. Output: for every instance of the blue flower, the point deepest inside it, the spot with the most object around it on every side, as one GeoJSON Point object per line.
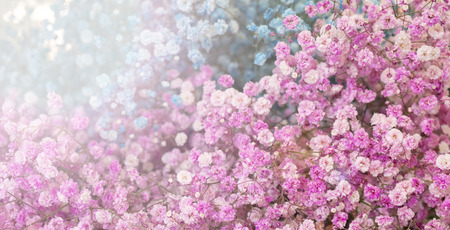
{"type": "Point", "coordinates": [220, 27]}
{"type": "Point", "coordinates": [288, 12]}
{"type": "Point", "coordinates": [287, 2]}
{"type": "Point", "coordinates": [207, 44]}
{"type": "Point", "coordinates": [274, 23]}
{"type": "Point", "coordinates": [260, 59]}
{"type": "Point", "coordinates": [268, 14]}
{"type": "Point", "coordinates": [196, 57]}
{"type": "Point", "coordinates": [263, 31]}
{"type": "Point", "coordinates": [182, 22]}
{"type": "Point", "coordinates": [281, 29]}
{"type": "Point", "coordinates": [140, 122]}
{"type": "Point", "coordinates": [193, 33]}
{"type": "Point", "coordinates": [176, 100]}
{"type": "Point", "coordinates": [252, 27]}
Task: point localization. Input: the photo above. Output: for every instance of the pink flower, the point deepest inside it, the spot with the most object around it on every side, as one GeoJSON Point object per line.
{"type": "Point", "coordinates": [320, 142]}
{"type": "Point", "coordinates": [306, 107]}
{"type": "Point", "coordinates": [398, 197]}
{"type": "Point", "coordinates": [362, 164]}
{"type": "Point", "coordinates": [384, 221]}
{"type": "Point", "coordinates": [311, 10]}
{"type": "Point", "coordinates": [226, 80]}
{"type": "Point", "coordinates": [282, 50]}
{"type": "Point", "coordinates": [262, 106]}
{"type": "Point", "coordinates": [45, 199]}
{"type": "Point", "coordinates": [411, 142]}
{"type": "Point", "coordinates": [340, 219]}
{"type": "Point", "coordinates": [307, 225]}
{"type": "Point", "coordinates": [291, 21]}
{"type": "Point", "coordinates": [371, 192]}
{"type": "Point", "coordinates": [54, 100]}
{"type": "Point", "coordinates": [428, 103]}
{"type": "Point", "coordinates": [340, 127]}
{"type": "Point", "coordinates": [265, 137]}
{"type": "Point", "coordinates": [80, 122]}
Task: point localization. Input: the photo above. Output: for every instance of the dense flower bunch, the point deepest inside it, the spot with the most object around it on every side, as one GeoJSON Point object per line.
{"type": "Point", "coordinates": [349, 131]}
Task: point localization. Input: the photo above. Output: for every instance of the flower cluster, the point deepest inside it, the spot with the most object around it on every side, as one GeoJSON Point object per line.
{"type": "Point", "coordinates": [350, 130]}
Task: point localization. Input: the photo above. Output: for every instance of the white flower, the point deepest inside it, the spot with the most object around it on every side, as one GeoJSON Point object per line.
{"type": "Point", "coordinates": [445, 129]}
{"type": "Point", "coordinates": [388, 76]}
{"type": "Point", "coordinates": [197, 125]}
{"type": "Point", "coordinates": [184, 177]}
{"type": "Point", "coordinates": [312, 76]}
{"type": "Point", "coordinates": [131, 161]}
{"type": "Point", "coordinates": [403, 40]}
{"type": "Point", "coordinates": [428, 53]}
{"type": "Point", "coordinates": [394, 136]}
{"type": "Point", "coordinates": [443, 148]}
{"type": "Point", "coordinates": [145, 37]}
{"type": "Point", "coordinates": [443, 162]}
{"type": "Point", "coordinates": [285, 68]}
{"type": "Point", "coordinates": [187, 97]}
{"type": "Point", "coordinates": [434, 72]}
{"type": "Point", "coordinates": [103, 216]}
{"type": "Point", "coordinates": [187, 86]}
{"type": "Point", "coordinates": [204, 160]}
{"type": "Point", "coordinates": [181, 138]}
{"type": "Point", "coordinates": [436, 31]}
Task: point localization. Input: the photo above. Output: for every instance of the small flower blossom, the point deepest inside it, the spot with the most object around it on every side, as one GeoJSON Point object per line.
{"type": "Point", "coordinates": [262, 106]}
{"type": "Point", "coordinates": [291, 21]}
{"type": "Point", "coordinates": [388, 76]}
{"type": "Point", "coordinates": [181, 138]}
{"type": "Point", "coordinates": [80, 122]}
{"type": "Point", "coordinates": [103, 216]}
{"type": "Point", "coordinates": [428, 103]}
{"type": "Point", "coordinates": [362, 164]}
{"type": "Point", "coordinates": [54, 100]}
{"type": "Point", "coordinates": [312, 77]}
{"type": "Point", "coordinates": [436, 31]}
{"type": "Point", "coordinates": [428, 53]}
{"type": "Point", "coordinates": [398, 197]}
{"type": "Point", "coordinates": [265, 137]}
{"type": "Point", "coordinates": [394, 136]}
{"type": "Point", "coordinates": [204, 160]}
{"type": "Point", "coordinates": [226, 80]}
{"type": "Point", "coordinates": [184, 177]}
{"type": "Point", "coordinates": [443, 162]}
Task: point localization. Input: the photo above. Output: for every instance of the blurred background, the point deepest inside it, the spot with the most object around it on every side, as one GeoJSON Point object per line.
{"type": "Point", "coordinates": [102, 52]}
